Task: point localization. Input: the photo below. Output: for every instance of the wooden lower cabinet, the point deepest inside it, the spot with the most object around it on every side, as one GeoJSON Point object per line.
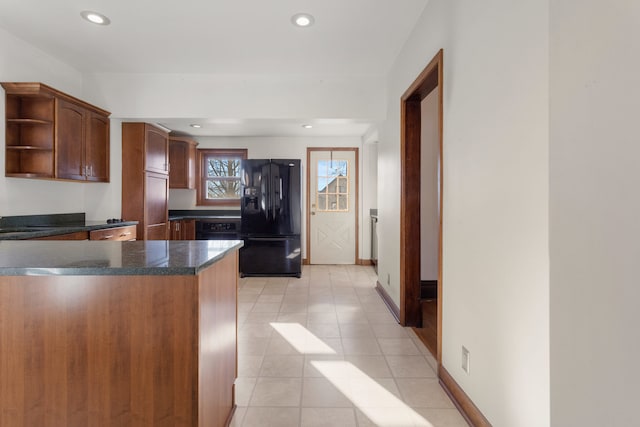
{"type": "Point", "coordinates": [119, 350]}
{"type": "Point", "coordinates": [116, 233]}
{"type": "Point", "coordinates": [182, 229]}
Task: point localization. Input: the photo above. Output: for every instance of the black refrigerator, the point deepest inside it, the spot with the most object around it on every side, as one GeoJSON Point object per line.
{"type": "Point", "coordinates": [270, 209]}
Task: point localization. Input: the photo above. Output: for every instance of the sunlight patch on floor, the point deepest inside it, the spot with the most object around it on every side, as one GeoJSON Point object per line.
{"type": "Point", "coordinates": [302, 339]}
{"type": "Point", "coordinates": [376, 403]}
{"type": "Point", "coordinates": [379, 405]}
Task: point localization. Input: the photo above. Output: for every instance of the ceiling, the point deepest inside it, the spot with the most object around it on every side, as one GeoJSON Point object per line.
{"type": "Point", "coordinates": [349, 37]}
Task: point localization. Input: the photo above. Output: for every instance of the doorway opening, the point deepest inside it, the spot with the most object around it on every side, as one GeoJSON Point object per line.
{"type": "Point", "coordinates": [424, 314]}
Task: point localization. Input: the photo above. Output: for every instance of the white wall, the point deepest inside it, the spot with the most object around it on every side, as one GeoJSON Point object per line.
{"type": "Point", "coordinates": [495, 249]}
{"type": "Point", "coordinates": [142, 96]}
{"type": "Point", "coordinates": [19, 61]}
{"type": "Point", "coordinates": [594, 212]}
{"type": "Point", "coordinates": [289, 148]}
{"type": "Point", "coordinates": [169, 96]}
{"type": "Point", "coordinates": [369, 190]}
{"type": "Point", "coordinates": [429, 187]}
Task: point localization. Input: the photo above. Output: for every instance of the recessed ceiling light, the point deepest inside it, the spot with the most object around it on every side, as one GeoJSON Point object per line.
{"type": "Point", "coordinates": [95, 17]}
{"type": "Point", "coordinates": [196, 126]}
{"type": "Point", "coordinates": [302, 20]}
{"type": "Point", "coordinates": [307, 126]}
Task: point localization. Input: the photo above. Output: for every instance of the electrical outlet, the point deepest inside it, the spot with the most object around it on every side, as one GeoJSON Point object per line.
{"type": "Point", "coordinates": [388, 279]}
{"type": "Point", "coordinates": [465, 359]}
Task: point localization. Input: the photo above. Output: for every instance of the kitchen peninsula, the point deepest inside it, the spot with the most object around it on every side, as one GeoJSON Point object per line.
{"type": "Point", "coordinates": [118, 333]}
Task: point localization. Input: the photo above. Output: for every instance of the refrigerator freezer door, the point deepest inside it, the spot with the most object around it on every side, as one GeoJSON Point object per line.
{"type": "Point", "coordinates": [271, 256]}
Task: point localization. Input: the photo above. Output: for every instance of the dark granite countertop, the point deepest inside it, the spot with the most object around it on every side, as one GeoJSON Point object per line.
{"type": "Point", "coordinates": [96, 258]}
{"type": "Point", "coordinates": [217, 217]}
{"type": "Point", "coordinates": [32, 231]}
{"type": "Point", "coordinates": [177, 214]}
{"type": "Point", "coordinates": [32, 226]}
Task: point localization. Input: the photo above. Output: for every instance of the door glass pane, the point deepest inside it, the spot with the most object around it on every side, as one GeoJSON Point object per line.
{"type": "Point", "coordinates": [343, 203]}
{"type": "Point", "coordinates": [333, 202]}
{"type": "Point", "coordinates": [342, 185]}
{"type": "Point", "coordinates": [322, 202]}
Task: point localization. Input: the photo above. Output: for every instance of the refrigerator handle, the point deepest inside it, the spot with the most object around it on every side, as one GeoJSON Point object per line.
{"type": "Point", "coordinates": [279, 198]}
{"type": "Point", "coordinates": [264, 195]}
{"type": "Point", "coordinates": [273, 193]}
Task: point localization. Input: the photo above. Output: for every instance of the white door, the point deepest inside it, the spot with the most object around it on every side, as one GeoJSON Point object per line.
{"type": "Point", "coordinates": [333, 206]}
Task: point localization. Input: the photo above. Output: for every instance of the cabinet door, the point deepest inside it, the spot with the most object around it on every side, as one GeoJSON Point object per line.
{"type": "Point", "coordinates": [174, 230]}
{"type": "Point", "coordinates": [70, 141]}
{"type": "Point", "coordinates": [156, 205]}
{"type": "Point", "coordinates": [178, 159]}
{"type": "Point", "coordinates": [156, 150]}
{"type": "Point", "coordinates": [97, 148]}
{"type": "Point", "coordinates": [188, 229]}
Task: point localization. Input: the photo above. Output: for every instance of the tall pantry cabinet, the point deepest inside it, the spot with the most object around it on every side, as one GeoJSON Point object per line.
{"type": "Point", "coordinates": [145, 179]}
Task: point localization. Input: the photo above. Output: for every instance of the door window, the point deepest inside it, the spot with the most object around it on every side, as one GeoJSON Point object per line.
{"type": "Point", "coordinates": [333, 185]}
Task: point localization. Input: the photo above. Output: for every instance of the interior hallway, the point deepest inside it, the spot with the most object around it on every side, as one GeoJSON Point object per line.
{"type": "Point", "coordinates": [324, 350]}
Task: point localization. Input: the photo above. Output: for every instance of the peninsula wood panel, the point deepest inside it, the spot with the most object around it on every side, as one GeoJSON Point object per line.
{"type": "Point", "coordinates": [118, 350]}
{"type": "Point", "coordinates": [218, 343]}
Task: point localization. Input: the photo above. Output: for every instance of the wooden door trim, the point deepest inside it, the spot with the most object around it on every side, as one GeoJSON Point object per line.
{"type": "Point", "coordinates": [429, 79]}
{"type": "Point", "coordinates": [357, 197]}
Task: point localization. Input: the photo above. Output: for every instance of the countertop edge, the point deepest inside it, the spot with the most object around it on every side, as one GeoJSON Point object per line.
{"type": "Point", "coordinates": [120, 271]}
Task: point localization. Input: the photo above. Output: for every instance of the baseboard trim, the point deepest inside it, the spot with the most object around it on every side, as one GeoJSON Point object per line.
{"type": "Point", "coordinates": [364, 261]}
{"type": "Point", "coordinates": [305, 261]}
{"type": "Point", "coordinates": [465, 405]}
{"type": "Point", "coordinates": [227, 422]}
{"type": "Point", "coordinates": [393, 308]}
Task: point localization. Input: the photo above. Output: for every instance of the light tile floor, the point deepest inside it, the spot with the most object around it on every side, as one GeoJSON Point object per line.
{"type": "Point", "coordinates": [323, 350]}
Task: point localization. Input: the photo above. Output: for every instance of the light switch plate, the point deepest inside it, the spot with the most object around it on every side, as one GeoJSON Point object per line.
{"type": "Point", "coordinates": [465, 359]}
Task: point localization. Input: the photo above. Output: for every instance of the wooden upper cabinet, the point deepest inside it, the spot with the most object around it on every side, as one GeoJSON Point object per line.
{"type": "Point", "coordinates": [156, 150]}
{"type": "Point", "coordinates": [97, 148]}
{"type": "Point", "coordinates": [30, 132]}
{"type": "Point", "coordinates": [182, 158]}
{"type": "Point", "coordinates": [53, 135]}
{"type": "Point", "coordinates": [70, 141]}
